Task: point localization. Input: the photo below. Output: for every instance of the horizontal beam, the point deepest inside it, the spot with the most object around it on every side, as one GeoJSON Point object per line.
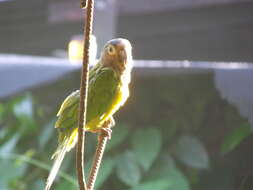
{"type": "Point", "coordinates": [19, 72]}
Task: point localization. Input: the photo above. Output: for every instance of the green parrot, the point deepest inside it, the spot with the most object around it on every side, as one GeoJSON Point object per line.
{"type": "Point", "coordinates": [108, 91]}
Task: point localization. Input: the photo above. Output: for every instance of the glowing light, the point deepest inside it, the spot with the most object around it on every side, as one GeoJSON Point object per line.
{"type": "Point", "coordinates": [75, 49]}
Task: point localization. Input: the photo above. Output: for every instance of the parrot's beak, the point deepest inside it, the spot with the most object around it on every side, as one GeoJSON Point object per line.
{"type": "Point", "coordinates": [122, 56]}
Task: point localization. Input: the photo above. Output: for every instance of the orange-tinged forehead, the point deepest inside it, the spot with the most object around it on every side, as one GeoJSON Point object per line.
{"type": "Point", "coordinates": [120, 43]}
{"type": "Point", "coordinates": [117, 54]}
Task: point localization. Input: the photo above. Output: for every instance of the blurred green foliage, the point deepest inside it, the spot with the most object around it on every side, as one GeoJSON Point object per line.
{"type": "Point", "coordinates": [172, 140]}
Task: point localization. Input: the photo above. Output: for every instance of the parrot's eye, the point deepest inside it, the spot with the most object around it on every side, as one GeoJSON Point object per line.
{"type": "Point", "coordinates": [111, 50]}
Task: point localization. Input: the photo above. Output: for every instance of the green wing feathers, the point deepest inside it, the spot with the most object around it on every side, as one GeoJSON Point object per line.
{"type": "Point", "coordinates": [101, 94]}
{"type": "Point", "coordinates": [68, 113]}
{"type": "Point", "coordinates": [64, 146]}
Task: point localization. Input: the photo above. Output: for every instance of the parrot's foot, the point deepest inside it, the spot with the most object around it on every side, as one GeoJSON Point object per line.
{"type": "Point", "coordinates": [106, 132]}
{"type": "Point", "coordinates": [109, 123]}
{"type": "Point", "coordinates": [106, 129]}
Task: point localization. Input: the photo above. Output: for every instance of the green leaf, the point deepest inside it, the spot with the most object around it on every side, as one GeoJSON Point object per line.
{"type": "Point", "coordinates": [164, 176]}
{"type": "Point", "coordinates": [26, 159]}
{"type": "Point", "coordinates": [38, 184]}
{"type": "Point", "coordinates": [119, 134]}
{"type": "Point", "coordinates": [3, 132]}
{"type": "Point", "coordinates": [162, 184]}
{"type": "Point", "coordinates": [172, 180]}
{"type": "Point", "coordinates": [9, 146]}
{"type": "Point", "coordinates": [24, 108]}
{"type": "Point", "coordinates": [163, 164]}
{"type": "Point", "coordinates": [106, 169]}
{"type": "Point", "coordinates": [235, 137]}
{"type": "Point", "coordinates": [19, 160]}
{"type": "Point", "coordinates": [146, 145]}
{"type": "Point", "coordinates": [177, 180]}
{"type": "Point", "coordinates": [10, 170]}
{"type": "Point", "coordinates": [192, 153]}
{"type": "Point", "coordinates": [127, 169]}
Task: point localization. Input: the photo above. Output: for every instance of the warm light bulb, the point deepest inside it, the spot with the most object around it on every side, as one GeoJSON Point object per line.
{"type": "Point", "coordinates": [75, 49]}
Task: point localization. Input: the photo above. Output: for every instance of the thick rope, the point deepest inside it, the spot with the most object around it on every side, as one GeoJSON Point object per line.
{"type": "Point", "coordinates": [102, 140]}
{"type": "Point", "coordinates": [83, 95]}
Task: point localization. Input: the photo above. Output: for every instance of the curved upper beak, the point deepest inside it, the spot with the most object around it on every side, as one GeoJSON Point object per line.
{"type": "Point", "coordinates": [122, 55]}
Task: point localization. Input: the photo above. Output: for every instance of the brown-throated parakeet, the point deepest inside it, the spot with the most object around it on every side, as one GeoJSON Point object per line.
{"type": "Point", "coordinates": [107, 92]}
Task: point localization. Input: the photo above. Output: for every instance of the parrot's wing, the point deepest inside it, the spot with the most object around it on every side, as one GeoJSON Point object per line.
{"type": "Point", "coordinates": [67, 119]}
{"type": "Point", "coordinates": [64, 146]}
{"type": "Point", "coordinates": [69, 101]}
{"type": "Point", "coordinates": [101, 95]}
{"type": "Point", "coordinates": [68, 113]}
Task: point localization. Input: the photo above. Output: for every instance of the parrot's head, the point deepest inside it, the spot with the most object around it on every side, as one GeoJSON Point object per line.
{"type": "Point", "coordinates": [117, 54]}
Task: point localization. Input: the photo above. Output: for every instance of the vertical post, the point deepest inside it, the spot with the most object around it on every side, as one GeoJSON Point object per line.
{"type": "Point", "coordinates": [83, 93]}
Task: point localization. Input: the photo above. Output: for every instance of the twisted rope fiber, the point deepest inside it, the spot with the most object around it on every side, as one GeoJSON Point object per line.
{"type": "Point", "coordinates": [102, 140]}
{"type": "Point", "coordinates": [83, 96]}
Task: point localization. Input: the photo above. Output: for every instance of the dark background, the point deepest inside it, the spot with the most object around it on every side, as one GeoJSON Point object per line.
{"type": "Point", "coordinates": [197, 30]}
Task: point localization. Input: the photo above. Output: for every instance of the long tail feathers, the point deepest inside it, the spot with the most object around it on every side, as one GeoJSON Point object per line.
{"type": "Point", "coordinates": [58, 158]}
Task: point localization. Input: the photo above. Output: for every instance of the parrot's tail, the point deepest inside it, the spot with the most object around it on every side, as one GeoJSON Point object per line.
{"type": "Point", "coordinates": [65, 146]}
